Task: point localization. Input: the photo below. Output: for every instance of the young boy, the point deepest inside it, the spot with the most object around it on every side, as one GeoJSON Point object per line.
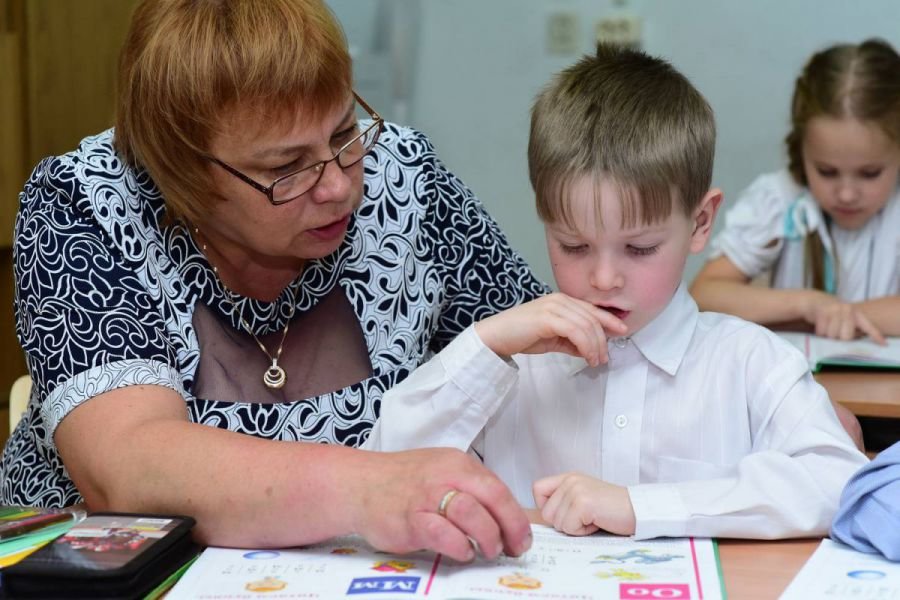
{"type": "Point", "coordinates": [680, 422]}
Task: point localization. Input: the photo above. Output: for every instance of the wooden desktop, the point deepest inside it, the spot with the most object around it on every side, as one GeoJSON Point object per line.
{"type": "Point", "coordinates": [759, 570]}
{"type": "Point", "coordinates": [867, 393]}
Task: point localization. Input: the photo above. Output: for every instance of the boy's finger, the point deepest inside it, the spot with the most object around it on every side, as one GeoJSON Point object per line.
{"type": "Point", "coordinates": [607, 319]}
{"type": "Point", "coordinates": [542, 489]}
{"type": "Point", "coordinates": [588, 337]}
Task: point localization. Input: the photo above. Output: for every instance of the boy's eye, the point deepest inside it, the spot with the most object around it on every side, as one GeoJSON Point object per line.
{"type": "Point", "coordinates": [825, 172]}
{"type": "Point", "coordinates": [643, 250]}
{"type": "Point", "coordinates": [573, 248]}
{"type": "Point", "coordinates": [870, 173]}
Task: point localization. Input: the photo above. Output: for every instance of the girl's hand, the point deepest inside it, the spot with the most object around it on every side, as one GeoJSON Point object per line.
{"type": "Point", "coordinates": [554, 323]}
{"type": "Point", "coordinates": [578, 504]}
{"type": "Point", "coordinates": [839, 320]}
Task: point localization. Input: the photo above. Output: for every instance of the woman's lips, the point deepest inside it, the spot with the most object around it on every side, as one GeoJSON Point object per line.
{"type": "Point", "coordinates": [332, 230]}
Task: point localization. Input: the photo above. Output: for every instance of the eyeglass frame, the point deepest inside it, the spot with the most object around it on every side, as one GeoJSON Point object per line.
{"type": "Point", "coordinates": [269, 191]}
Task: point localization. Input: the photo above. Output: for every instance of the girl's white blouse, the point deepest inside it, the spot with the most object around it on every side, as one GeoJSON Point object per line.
{"type": "Point", "coordinates": [765, 230]}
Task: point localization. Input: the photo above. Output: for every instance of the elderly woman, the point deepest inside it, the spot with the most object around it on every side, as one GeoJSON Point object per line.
{"type": "Point", "coordinates": [214, 296]}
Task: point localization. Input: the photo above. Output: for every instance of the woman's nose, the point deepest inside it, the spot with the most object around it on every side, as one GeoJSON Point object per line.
{"type": "Point", "coordinates": [333, 185]}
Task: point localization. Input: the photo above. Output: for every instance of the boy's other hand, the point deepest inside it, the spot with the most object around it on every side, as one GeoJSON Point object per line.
{"type": "Point", "coordinates": [578, 504]}
{"type": "Point", "coordinates": [553, 323]}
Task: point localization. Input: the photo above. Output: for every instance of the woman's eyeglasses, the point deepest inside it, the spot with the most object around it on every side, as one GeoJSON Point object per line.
{"type": "Point", "coordinates": [293, 185]}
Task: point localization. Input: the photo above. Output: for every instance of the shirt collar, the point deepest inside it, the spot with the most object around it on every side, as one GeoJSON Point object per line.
{"type": "Point", "coordinates": [664, 340]}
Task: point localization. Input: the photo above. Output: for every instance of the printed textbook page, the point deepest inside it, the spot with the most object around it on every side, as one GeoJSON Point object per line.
{"type": "Point", "coordinates": [557, 567]}
{"type": "Point", "coordinates": [836, 571]}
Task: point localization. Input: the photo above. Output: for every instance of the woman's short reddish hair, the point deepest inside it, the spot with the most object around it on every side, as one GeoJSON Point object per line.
{"type": "Point", "coordinates": [187, 64]}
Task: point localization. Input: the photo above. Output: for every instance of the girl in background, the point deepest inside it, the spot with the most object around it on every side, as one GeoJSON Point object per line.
{"type": "Point", "coordinates": [828, 227]}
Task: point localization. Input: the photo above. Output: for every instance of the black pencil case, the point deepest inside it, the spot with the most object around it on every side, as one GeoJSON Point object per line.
{"type": "Point", "coordinates": [106, 555]}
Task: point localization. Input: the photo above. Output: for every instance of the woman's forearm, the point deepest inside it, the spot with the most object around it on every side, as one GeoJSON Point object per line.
{"type": "Point", "coordinates": [241, 490]}
{"type": "Point", "coordinates": [133, 449]}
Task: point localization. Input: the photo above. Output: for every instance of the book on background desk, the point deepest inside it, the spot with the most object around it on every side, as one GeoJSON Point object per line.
{"type": "Point", "coordinates": [862, 353]}
{"type": "Point", "coordinates": [837, 571]}
{"type": "Point", "coordinates": [557, 566]}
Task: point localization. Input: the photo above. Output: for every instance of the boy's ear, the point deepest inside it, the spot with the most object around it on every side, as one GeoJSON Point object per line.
{"type": "Point", "coordinates": [704, 218]}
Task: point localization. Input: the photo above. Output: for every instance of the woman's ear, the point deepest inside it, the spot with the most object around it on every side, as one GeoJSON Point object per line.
{"type": "Point", "coordinates": [704, 218]}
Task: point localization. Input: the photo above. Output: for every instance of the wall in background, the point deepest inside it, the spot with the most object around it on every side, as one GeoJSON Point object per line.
{"type": "Point", "coordinates": [480, 63]}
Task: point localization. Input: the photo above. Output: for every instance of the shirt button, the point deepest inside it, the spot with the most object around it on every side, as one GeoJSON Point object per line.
{"type": "Point", "coordinates": [621, 421]}
{"type": "Point", "coordinates": [620, 342]}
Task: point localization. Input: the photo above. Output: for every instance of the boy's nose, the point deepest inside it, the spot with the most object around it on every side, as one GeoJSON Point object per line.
{"type": "Point", "coordinates": [606, 275]}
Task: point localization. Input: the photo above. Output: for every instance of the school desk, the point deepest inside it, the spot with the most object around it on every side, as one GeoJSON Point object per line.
{"type": "Point", "coordinates": [757, 570]}
{"type": "Point", "coordinates": [867, 393]}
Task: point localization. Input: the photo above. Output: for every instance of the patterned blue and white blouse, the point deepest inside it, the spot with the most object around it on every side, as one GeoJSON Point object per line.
{"type": "Point", "coordinates": [108, 296]}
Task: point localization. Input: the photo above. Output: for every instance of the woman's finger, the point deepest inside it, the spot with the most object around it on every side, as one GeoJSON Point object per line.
{"type": "Point", "coordinates": [440, 535]}
{"type": "Point", "coordinates": [475, 523]}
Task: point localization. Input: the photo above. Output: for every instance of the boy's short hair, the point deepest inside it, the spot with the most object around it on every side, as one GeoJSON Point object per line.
{"type": "Point", "coordinates": [627, 117]}
{"type": "Point", "coordinates": [186, 65]}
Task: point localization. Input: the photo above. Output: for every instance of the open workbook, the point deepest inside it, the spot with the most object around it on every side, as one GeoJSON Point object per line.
{"type": "Point", "coordinates": [862, 353]}
{"type": "Point", "coordinates": [836, 572]}
{"type": "Point", "coordinates": [557, 566]}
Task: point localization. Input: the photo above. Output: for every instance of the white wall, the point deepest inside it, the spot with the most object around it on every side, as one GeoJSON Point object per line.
{"type": "Point", "coordinates": [481, 62]}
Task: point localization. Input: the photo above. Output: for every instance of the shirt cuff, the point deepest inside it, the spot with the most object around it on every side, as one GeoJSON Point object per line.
{"type": "Point", "coordinates": [659, 510]}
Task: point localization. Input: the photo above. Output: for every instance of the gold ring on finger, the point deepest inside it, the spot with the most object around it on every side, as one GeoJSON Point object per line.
{"type": "Point", "coordinates": [445, 502]}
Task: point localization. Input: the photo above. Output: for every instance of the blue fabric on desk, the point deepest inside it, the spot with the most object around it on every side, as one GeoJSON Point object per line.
{"type": "Point", "coordinates": [869, 515]}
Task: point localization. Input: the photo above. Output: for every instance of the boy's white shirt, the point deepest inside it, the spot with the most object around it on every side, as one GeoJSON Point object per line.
{"type": "Point", "coordinates": [714, 424]}
{"type": "Point", "coordinates": [868, 257]}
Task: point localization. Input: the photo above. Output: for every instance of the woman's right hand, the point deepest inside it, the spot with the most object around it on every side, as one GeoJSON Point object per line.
{"type": "Point", "coordinates": [836, 319]}
{"type": "Point", "coordinates": [552, 323]}
{"type": "Point", "coordinates": [397, 496]}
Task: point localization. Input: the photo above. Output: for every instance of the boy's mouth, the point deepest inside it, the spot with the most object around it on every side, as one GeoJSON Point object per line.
{"type": "Point", "coordinates": [616, 312]}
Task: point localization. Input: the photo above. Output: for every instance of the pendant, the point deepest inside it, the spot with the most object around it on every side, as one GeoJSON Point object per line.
{"type": "Point", "coordinates": [275, 376]}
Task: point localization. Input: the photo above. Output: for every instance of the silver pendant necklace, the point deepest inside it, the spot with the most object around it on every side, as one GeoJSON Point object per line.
{"type": "Point", "coordinates": [274, 378]}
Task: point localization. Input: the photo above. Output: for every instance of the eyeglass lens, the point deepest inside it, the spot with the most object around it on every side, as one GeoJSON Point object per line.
{"type": "Point", "coordinates": [301, 182]}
